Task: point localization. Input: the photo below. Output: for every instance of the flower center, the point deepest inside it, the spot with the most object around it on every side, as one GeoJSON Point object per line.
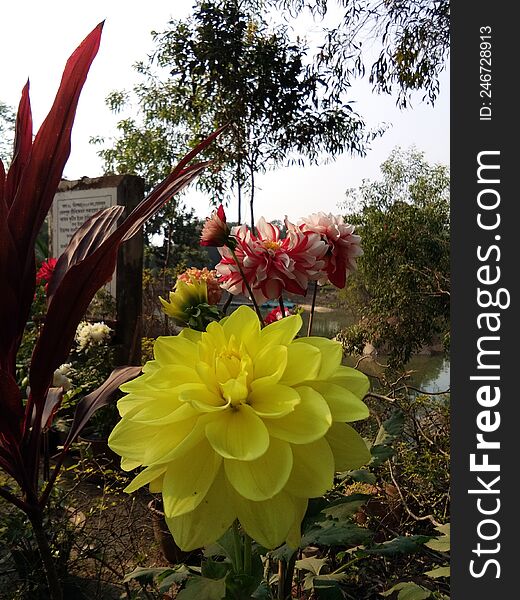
{"type": "Point", "coordinates": [270, 245]}
{"type": "Point", "coordinates": [234, 369]}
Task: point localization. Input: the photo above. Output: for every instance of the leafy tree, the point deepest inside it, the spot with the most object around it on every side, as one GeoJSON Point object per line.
{"type": "Point", "coordinates": [402, 287]}
{"type": "Point", "coordinates": [6, 132]}
{"type": "Point", "coordinates": [226, 64]}
{"type": "Point", "coordinates": [179, 233]}
{"type": "Point", "coordinates": [411, 37]}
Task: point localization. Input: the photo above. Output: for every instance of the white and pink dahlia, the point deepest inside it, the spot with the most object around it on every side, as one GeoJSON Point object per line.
{"type": "Point", "coordinates": [271, 264]}
{"type": "Point", "coordinates": [343, 245]}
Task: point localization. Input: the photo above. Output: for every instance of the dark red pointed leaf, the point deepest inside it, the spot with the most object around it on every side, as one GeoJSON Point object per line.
{"type": "Point", "coordinates": [84, 242]}
{"type": "Point", "coordinates": [51, 147]}
{"type": "Point", "coordinates": [52, 403]}
{"type": "Point", "coordinates": [22, 145]}
{"type": "Point", "coordinates": [83, 279]}
{"type": "Point", "coordinates": [12, 407]}
{"type": "Point", "coordinates": [98, 398]}
{"type": "Point", "coordinates": [3, 205]}
{"type": "Point", "coordinates": [42, 174]}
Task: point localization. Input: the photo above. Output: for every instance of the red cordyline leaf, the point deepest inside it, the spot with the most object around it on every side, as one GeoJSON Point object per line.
{"type": "Point", "coordinates": [3, 205]}
{"type": "Point", "coordinates": [85, 266]}
{"type": "Point", "coordinates": [88, 405]}
{"type": "Point", "coordinates": [22, 145]}
{"type": "Point", "coordinates": [33, 190]}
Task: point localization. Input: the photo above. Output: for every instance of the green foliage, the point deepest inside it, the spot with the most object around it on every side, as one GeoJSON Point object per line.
{"type": "Point", "coordinates": [411, 38]}
{"type": "Point", "coordinates": [402, 287]}
{"type": "Point", "coordinates": [173, 237]}
{"type": "Point", "coordinates": [7, 120]}
{"type": "Point", "coordinates": [264, 88]}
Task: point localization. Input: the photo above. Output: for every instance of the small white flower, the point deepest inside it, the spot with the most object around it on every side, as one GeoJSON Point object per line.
{"type": "Point", "coordinates": [92, 334]}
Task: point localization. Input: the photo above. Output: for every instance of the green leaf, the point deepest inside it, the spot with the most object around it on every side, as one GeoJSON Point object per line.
{"type": "Point", "coordinates": [332, 533]}
{"type": "Point", "coordinates": [363, 476]}
{"type": "Point", "coordinates": [344, 510]}
{"type": "Point", "coordinates": [313, 565]}
{"type": "Point", "coordinates": [262, 592]}
{"type": "Point", "coordinates": [441, 543]}
{"type": "Point", "coordinates": [147, 575]}
{"type": "Point", "coordinates": [215, 570]}
{"type": "Point", "coordinates": [438, 572]}
{"type": "Point", "coordinates": [327, 587]}
{"type": "Point", "coordinates": [390, 429]}
{"type": "Point", "coordinates": [399, 545]}
{"type": "Point", "coordinates": [408, 591]}
{"type": "Point", "coordinates": [380, 453]}
{"type": "Point", "coordinates": [202, 587]}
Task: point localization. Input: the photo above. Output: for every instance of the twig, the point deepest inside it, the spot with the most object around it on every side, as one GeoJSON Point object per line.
{"type": "Point", "coordinates": [313, 306]}
{"type": "Point", "coordinates": [430, 518]}
{"type": "Point", "coordinates": [246, 283]}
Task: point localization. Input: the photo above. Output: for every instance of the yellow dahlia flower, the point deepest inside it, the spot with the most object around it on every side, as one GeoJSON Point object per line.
{"type": "Point", "coordinates": [241, 422]}
{"type": "Point", "coordinates": [188, 304]}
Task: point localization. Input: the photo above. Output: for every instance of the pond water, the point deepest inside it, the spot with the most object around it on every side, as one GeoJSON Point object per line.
{"type": "Point", "coordinates": [431, 373]}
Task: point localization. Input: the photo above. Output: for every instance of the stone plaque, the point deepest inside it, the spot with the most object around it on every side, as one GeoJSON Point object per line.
{"type": "Point", "coordinates": [73, 204]}
{"type": "Point", "coordinates": [70, 209]}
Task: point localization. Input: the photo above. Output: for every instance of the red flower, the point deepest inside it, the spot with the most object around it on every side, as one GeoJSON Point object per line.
{"type": "Point", "coordinates": [45, 271]}
{"type": "Point", "coordinates": [215, 231]}
{"type": "Point", "coordinates": [270, 264]}
{"type": "Point", "coordinates": [276, 315]}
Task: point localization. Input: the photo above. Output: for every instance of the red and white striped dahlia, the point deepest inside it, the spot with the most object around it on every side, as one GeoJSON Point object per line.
{"type": "Point", "coordinates": [343, 245]}
{"type": "Point", "coordinates": [271, 264]}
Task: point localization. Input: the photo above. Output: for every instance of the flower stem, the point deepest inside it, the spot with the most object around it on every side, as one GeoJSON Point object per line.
{"type": "Point", "coordinates": [237, 547]}
{"type": "Point", "coordinates": [247, 554]}
{"type": "Point", "coordinates": [253, 299]}
{"type": "Point", "coordinates": [313, 306]}
{"type": "Point", "coordinates": [226, 304]}
{"type": "Point", "coordinates": [282, 306]}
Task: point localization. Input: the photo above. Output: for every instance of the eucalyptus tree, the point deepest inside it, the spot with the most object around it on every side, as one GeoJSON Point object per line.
{"type": "Point", "coordinates": [6, 131]}
{"type": "Point", "coordinates": [226, 65]}
{"type": "Point", "coordinates": [404, 44]}
{"type": "Point", "coordinates": [401, 289]}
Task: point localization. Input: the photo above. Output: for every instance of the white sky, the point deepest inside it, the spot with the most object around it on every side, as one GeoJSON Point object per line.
{"type": "Point", "coordinates": [36, 38]}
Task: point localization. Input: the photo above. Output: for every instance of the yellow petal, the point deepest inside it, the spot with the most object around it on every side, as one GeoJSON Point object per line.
{"type": "Point", "coordinates": [349, 449]}
{"type": "Point", "coordinates": [243, 323]}
{"type": "Point", "coordinates": [331, 354]}
{"type": "Point", "coordinates": [145, 476]}
{"type": "Point", "coordinates": [351, 379]}
{"type": "Point", "coordinates": [188, 479]}
{"type": "Point", "coordinates": [128, 464]}
{"type": "Point", "coordinates": [273, 401]}
{"type": "Point", "coordinates": [270, 521]}
{"type": "Point", "coordinates": [294, 537]}
{"type": "Point", "coordinates": [235, 390]}
{"type": "Point", "coordinates": [238, 433]}
{"type": "Point", "coordinates": [269, 365]}
{"type": "Point", "coordinates": [174, 440]}
{"type": "Point", "coordinates": [190, 334]}
{"type": "Point", "coordinates": [156, 485]}
{"type": "Point", "coordinates": [282, 331]}
{"type": "Point", "coordinates": [181, 413]}
{"type": "Point", "coordinates": [171, 350]}
{"type": "Point", "coordinates": [303, 363]}
{"type": "Point", "coordinates": [313, 469]}
{"type": "Point", "coordinates": [208, 522]}
{"type": "Point", "coordinates": [264, 477]}
{"type": "Point", "coordinates": [171, 376]}
{"type": "Point", "coordinates": [132, 440]}
{"type": "Point", "coordinates": [202, 399]}
{"type": "Point", "coordinates": [309, 421]}
{"type": "Point", "coordinates": [344, 405]}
